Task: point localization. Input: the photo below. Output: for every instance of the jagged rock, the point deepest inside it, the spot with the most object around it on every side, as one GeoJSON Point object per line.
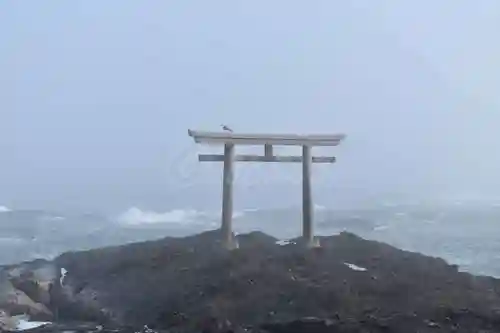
{"type": "Point", "coordinates": [24, 288]}
{"type": "Point", "coordinates": [15, 301]}
{"type": "Point", "coordinates": [7, 323]}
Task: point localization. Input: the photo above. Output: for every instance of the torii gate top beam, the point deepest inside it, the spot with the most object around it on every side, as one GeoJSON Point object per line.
{"type": "Point", "coordinates": [220, 138]}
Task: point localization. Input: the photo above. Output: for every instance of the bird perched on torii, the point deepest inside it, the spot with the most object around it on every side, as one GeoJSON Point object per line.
{"type": "Point", "coordinates": [226, 128]}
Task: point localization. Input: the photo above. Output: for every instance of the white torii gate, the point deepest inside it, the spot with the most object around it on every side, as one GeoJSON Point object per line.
{"type": "Point", "coordinates": [229, 140]}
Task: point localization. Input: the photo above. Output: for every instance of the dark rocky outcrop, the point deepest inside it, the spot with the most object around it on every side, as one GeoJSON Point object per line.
{"type": "Point", "coordinates": [24, 289]}
{"type": "Point", "coordinates": [193, 284]}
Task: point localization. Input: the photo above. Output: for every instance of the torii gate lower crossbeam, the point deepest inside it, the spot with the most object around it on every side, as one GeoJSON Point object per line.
{"type": "Point", "coordinates": [229, 140]}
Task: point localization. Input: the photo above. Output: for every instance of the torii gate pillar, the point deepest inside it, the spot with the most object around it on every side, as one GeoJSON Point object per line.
{"type": "Point", "coordinates": [229, 140]}
{"type": "Point", "coordinates": [307, 205]}
{"type": "Point", "coordinates": [227, 197]}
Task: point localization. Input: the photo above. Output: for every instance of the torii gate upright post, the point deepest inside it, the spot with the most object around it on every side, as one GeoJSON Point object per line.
{"type": "Point", "coordinates": [229, 140]}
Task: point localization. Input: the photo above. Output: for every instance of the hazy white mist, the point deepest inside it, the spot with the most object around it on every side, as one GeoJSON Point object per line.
{"type": "Point", "coordinates": [96, 98]}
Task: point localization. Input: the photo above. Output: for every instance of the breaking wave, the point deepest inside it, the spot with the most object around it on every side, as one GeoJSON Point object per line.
{"type": "Point", "coordinates": [4, 209]}
{"type": "Point", "coordinates": [319, 207]}
{"type": "Point", "coordinates": [182, 217]}
{"type": "Point", "coordinates": [136, 216]}
{"type": "Point", "coordinates": [11, 240]}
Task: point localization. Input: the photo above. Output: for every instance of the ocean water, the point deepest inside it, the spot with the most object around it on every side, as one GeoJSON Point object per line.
{"type": "Point", "coordinates": [463, 235]}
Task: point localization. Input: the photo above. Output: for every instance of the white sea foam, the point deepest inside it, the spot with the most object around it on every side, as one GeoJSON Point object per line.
{"type": "Point", "coordinates": [251, 210]}
{"type": "Point", "coordinates": [355, 267]}
{"type": "Point", "coordinates": [319, 207]}
{"type": "Point", "coordinates": [136, 216]}
{"type": "Point", "coordinates": [283, 242]}
{"type": "Point", "coordinates": [381, 227]}
{"type": "Point", "coordinates": [180, 217]}
{"type": "Point", "coordinates": [24, 324]}
{"type": "Point", "coordinates": [52, 218]}
{"type": "Point", "coordinates": [238, 215]}
{"type": "Point", "coordinates": [4, 209]}
{"type": "Point", "coordinates": [11, 240]}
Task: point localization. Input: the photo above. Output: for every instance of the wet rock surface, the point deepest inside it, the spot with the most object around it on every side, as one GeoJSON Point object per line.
{"type": "Point", "coordinates": [24, 289]}
{"type": "Point", "coordinates": [193, 285]}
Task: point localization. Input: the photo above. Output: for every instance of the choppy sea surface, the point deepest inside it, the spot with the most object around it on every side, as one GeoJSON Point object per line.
{"type": "Point", "coordinates": [468, 236]}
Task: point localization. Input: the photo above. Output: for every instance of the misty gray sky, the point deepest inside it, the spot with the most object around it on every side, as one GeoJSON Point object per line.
{"type": "Point", "coordinates": [96, 97]}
